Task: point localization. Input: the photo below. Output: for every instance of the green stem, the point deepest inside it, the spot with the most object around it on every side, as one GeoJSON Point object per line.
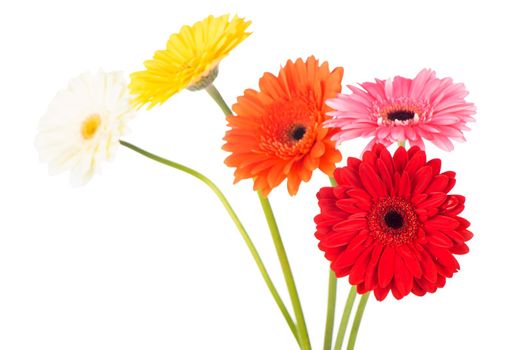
{"type": "Point", "coordinates": [345, 318]}
{"type": "Point", "coordinates": [331, 306]}
{"type": "Point", "coordinates": [357, 321]}
{"type": "Point", "coordinates": [287, 273]}
{"type": "Point", "coordinates": [303, 337]}
{"type": "Point", "coordinates": [331, 301]}
{"type": "Point", "coordinates": [217, 97]}
{"type": "Point", "coordinates": [237, 222]}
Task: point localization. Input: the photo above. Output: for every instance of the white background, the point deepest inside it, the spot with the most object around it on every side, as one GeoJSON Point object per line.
{"type": "Point", "coordinates": [144, 257]}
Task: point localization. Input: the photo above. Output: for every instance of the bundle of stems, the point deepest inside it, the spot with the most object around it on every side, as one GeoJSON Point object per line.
{"type": "Point", "coordinates": [296, 324]}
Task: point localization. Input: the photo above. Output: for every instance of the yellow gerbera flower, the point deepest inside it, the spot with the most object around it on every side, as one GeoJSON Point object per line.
{"type": "Point", "coordinates": [190, 59]}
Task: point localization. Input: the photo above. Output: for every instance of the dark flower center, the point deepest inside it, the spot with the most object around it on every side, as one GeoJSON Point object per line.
{"type": "Point", "coordinates": [298, 132]}
{"type": "Point", "coordinates": [393, 219]}
{"type": "Point", "coordinates": [401, 115]}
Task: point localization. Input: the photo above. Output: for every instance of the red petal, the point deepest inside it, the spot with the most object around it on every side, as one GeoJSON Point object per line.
{"type": "Point", "coordinates": [369, 157]}
{"type": "Point", "coordinates": [439, 184]}
{"type": "Point", "coordinates": [324, 192]}
{"type": "Point", "coordinates": [422, 178]}
{"type": "Point", "coordinates": [441, 222]}
{"type": "Point", "coordinates": [418, 198]}
{"type": "Point", "coordinates": [427, 285]}
{"type": "Point", "coordinates": [440, 240]}
{"type": "Point", "coordinates": [454, 205]}
{"type": "Point", "coordinates": [353, 223]}
{"type": "Point", "coordinates": [411, 152]}
{"type": "Point", "coordinates": [452, 180]}
{"type": "Point", "coordinates": [340, 192]}
{"type": "Point", "coordinates": [357, 274]}
{"type": "Point", "coordinates": [410, 261]}
{"type": "Point", "coordinates": [460, 249]}
{"type": "Point", "coordinates": [351, 253]}
{"type": "Point", "coordinates": [397, 180]}
{"type": "Point", "coordinates": [371, 275]}
{"type": "Point", "coordinates": [417, 290]}
{"type": "Point", "coordinates": [385, 175]}
{"type": "Point", "coordinates": [348, 205]}
{"type": "Point", "coordinates": [395, 292]}
{"type": "Point", "coordinates": [404, 186]}
{"type": "Point", "coordinates": [347, 176]}
{"type": "Point", "coordinates": [467, 235]}
{"type": "Point", "coordinates": [402, 276]}
{"type": "Point", "coordinates": [363, 198]}
{"type": "Point", "coordinates": [434, 200]}
{"type": "Point", "coordinates": [435, 164]}
{"type": "Point", "coordinates": [381, 293]}
{"type": "Point", "coordinates": [387, 160]}
{"type": "Point", "coordinates": [455, 235]}
{"type": "Point", "coordinates": [415, 162]}
{"type": "Point", "coordinates": [400, 159]}
{"type": "Point", "coordinates": [463, 223]}
{"type": "Point", "coordinates": [428, 267]}
{"type": "Point", "coordinates": [386, 267]}
{"type": "Point", "coordinates": [440, 283]}
{"type": "Point", "coordinates": [445, 259]}
{"type": "Point", "coordinates": [372, 182]}
{"type": "Point", "coordinates": [361, 289]}
{"type": "Point", "coordinates": [337, 239]}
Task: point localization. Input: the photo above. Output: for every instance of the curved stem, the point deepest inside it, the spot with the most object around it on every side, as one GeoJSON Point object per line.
{"type": "Point", "coordinates": [237, 222]}
{"type": "Point", "coordinates": [345, 318]}
{"type": "Point", "coordinates": [287, 272]}
{"type": "Point", "coordinates": [303, 337]}
{"type": "Point", "coordinates": [331, 306]}
{"type": "Point", "coordinates": [217, 97]}
{"type": "Point", "coordinates": [357, 321]}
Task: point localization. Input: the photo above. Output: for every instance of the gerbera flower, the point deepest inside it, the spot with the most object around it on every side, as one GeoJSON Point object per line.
{"type": "Point", "coordinates": [83, 124]}
{"type": "Point", "coordinates": [277, 133]}
{"type": "Point", "coordinates": [190, 59]}
{"type": "Point", "coordinates": [404, 109]}
{"type": "Point", "coordinates": [390, 224]}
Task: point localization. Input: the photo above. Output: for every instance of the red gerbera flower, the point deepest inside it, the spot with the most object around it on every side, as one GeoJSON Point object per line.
{"type": "Point", "coordinates": [390, 224]}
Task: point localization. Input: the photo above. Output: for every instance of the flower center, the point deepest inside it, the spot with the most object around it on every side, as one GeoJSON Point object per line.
{"type": "Point", "coordinates": [90, 126]}
{"type": "Point", "coordinates": [401, 115]}
{"type": "Point", "coordinates": [393, 221]}
{"type": "Point", "coordinates": [297, 132]}
{"type": "Point", "coordinates": [401, 111]}
{"type": "Point", "coordinates": [287, 129]}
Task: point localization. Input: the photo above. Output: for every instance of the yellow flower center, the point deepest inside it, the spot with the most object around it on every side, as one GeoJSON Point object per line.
{"type": "Point", "coordinates": [90, 126]}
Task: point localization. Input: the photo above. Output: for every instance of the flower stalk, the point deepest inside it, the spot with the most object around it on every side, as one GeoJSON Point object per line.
{"type": "Point", "coordinates": [237, 222]}
{"type": "Point", "coordinates": [331, 306]}
{"type": "Point", "coordinates": [303, 337]}
{"type": "Point", "coordinates": [217, 97]}
{"type": "Point", "coordinates": [357, 321]}
{"type": "Point", "coordinates": [287, 272]}
{"type": "Point", "coordinates": [345, 318]}
{"type": "Point", "coordinates": [331, 301]}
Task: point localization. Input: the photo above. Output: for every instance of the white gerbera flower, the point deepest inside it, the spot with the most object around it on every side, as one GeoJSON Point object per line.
{"type": "Point", "coordinates": [83, 125]}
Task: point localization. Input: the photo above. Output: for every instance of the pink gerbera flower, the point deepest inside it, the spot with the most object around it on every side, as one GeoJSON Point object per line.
{"type": "Point", "coordinates": [403, 109]}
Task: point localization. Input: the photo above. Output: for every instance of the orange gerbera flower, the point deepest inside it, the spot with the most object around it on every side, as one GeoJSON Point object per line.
{"type": "Point", "coordinates": [277, 133]}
